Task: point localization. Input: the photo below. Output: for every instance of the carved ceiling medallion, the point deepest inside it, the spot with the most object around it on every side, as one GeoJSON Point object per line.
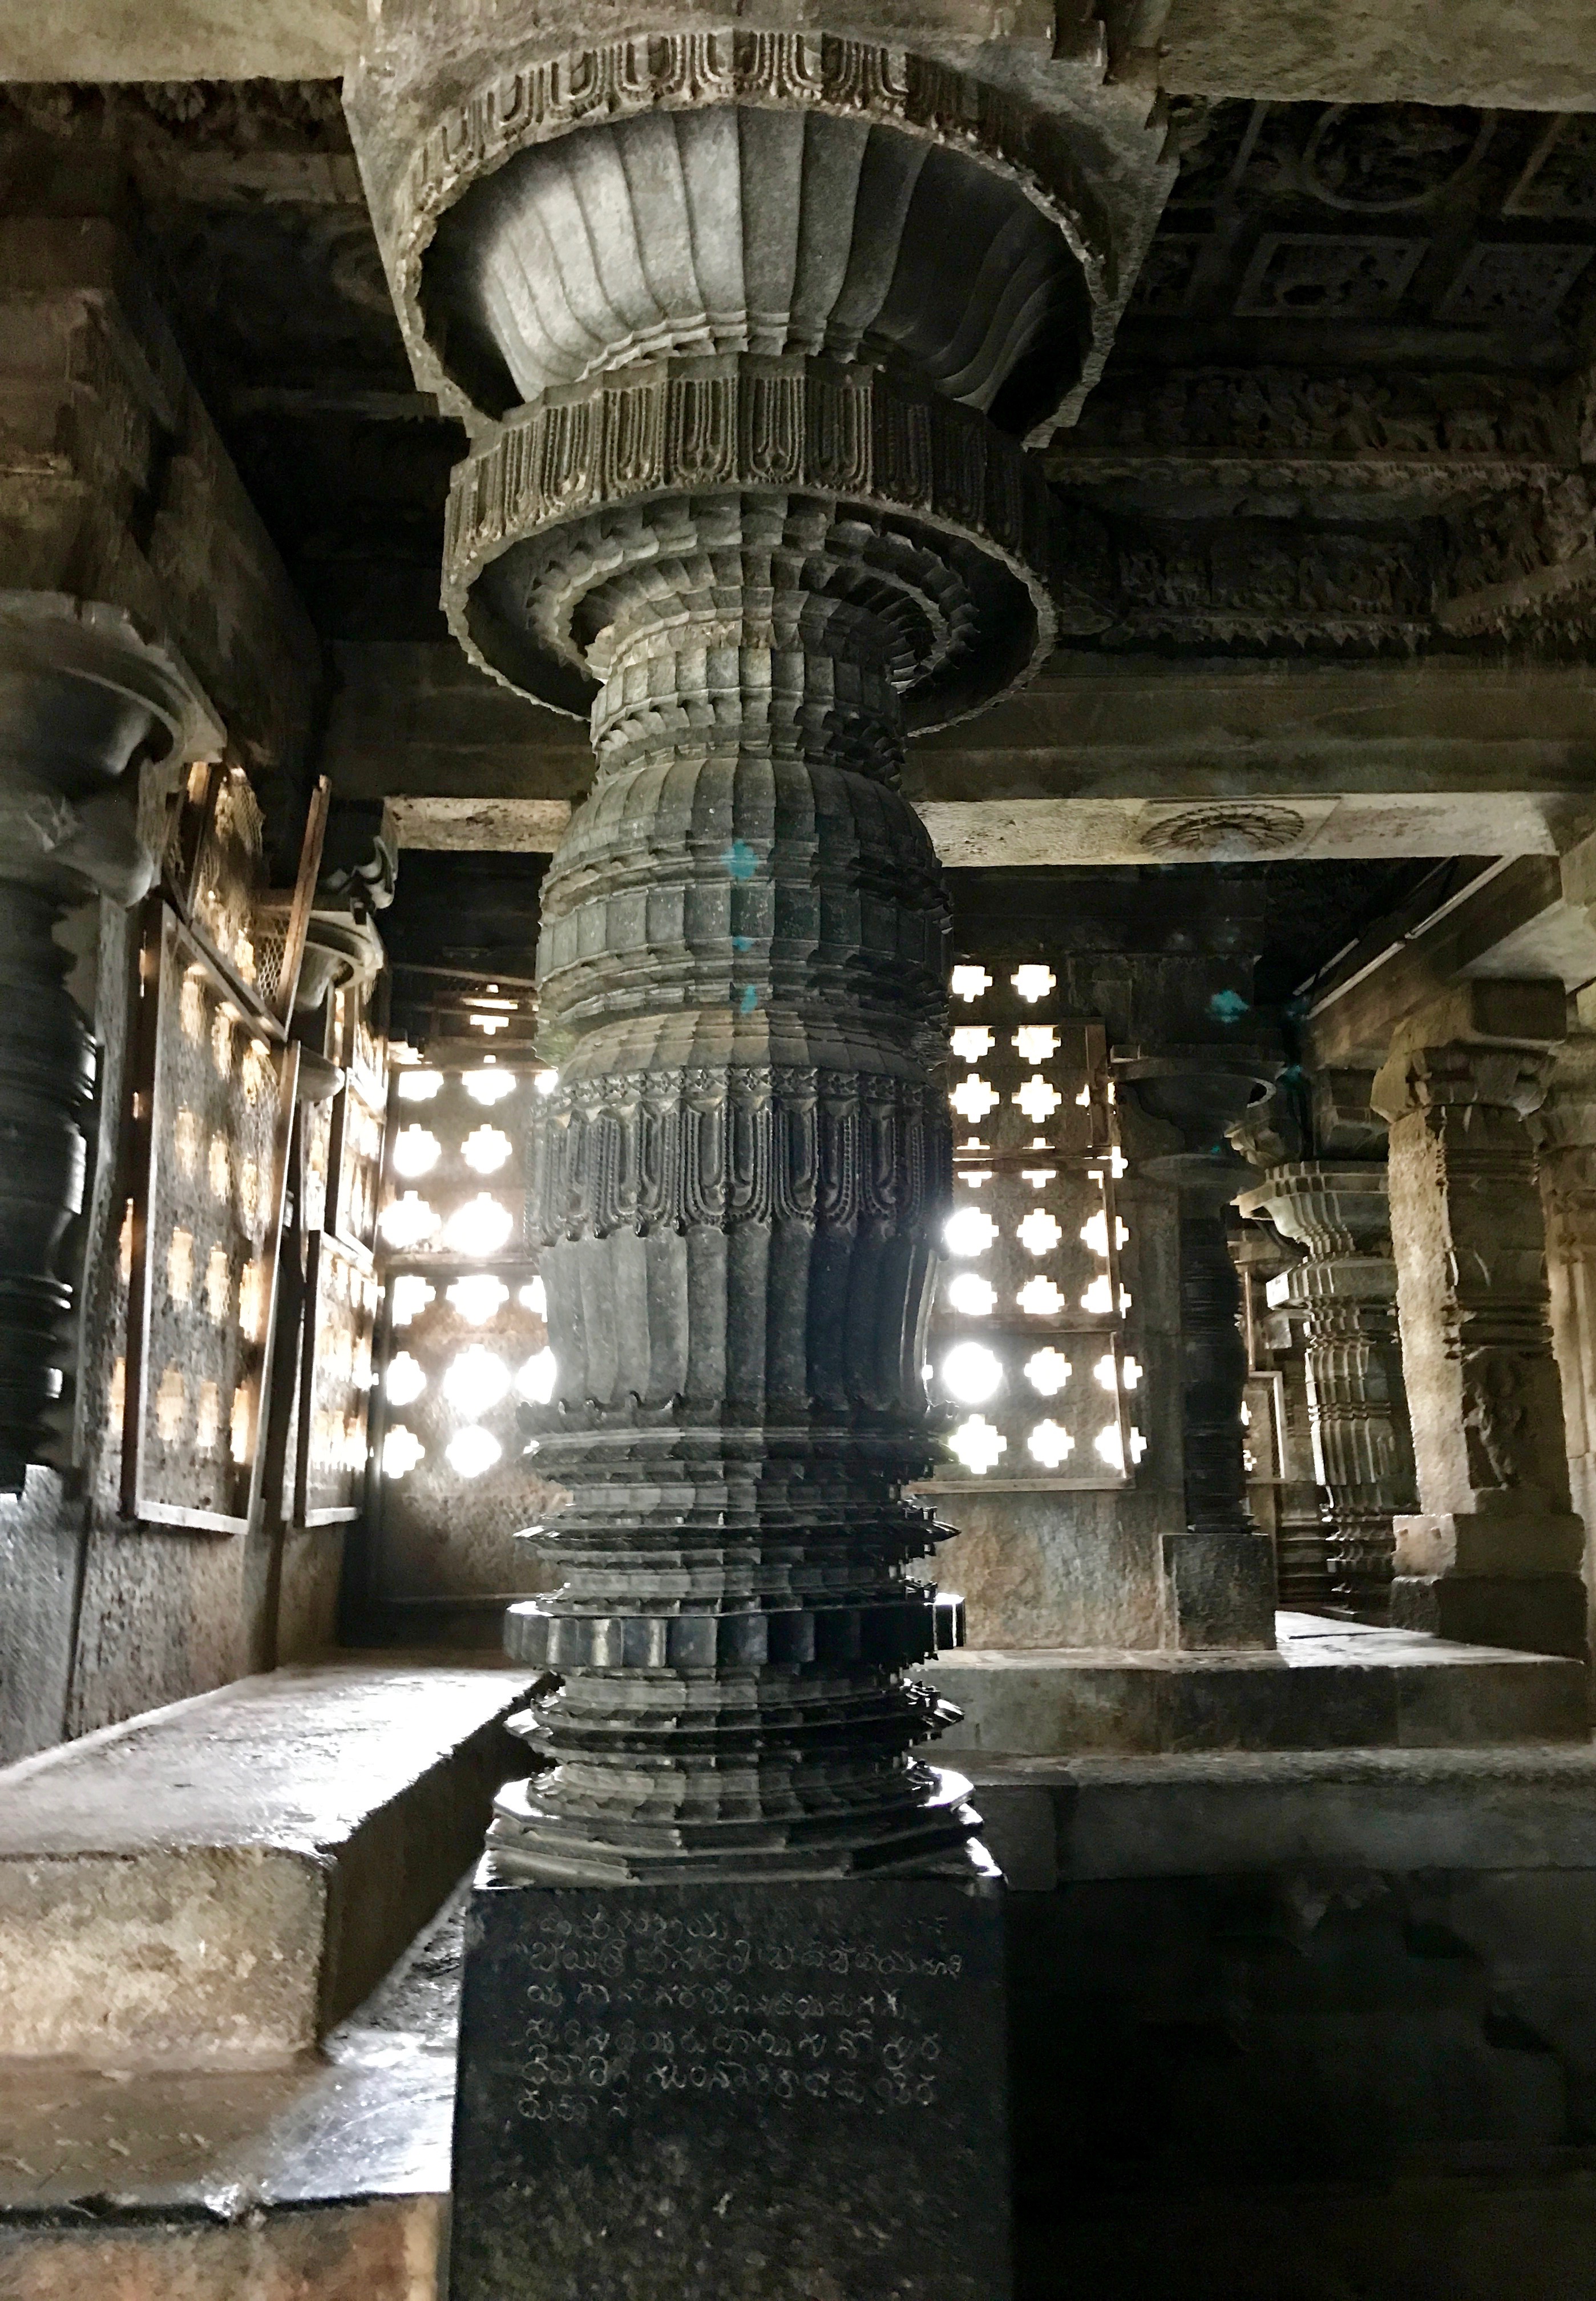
{"type": "Point", "coordinates": [1215, 834]}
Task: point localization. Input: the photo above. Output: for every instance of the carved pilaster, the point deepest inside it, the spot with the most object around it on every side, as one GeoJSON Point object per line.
{"type": "Point", "coordinates": [144, 616]}
{"type": "Point", "coordinates": [1495, 1553]}
{"type": "Point", "coordinates": [1564, 1130]}
{"type": "Point", "coordinates": [1277, 1396]}
{"type": "Point", "coordinates": [1344, 1292]}
{"type": "Point", "coordinates": [83, 701]}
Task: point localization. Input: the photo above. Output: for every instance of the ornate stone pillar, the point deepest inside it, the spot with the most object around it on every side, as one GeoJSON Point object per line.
{"type": "Point", "coordinates": [1344, 1292]}
{"type": "Point", "coordinates": [1564, 1130]}
{"type": "Point", "coordinates": [1494, 1555]}
{"type": "Point", "coordinates": [1279, 1384]}
{"type": "Point", "coordinates": [84, 699]}
{"type": "Point", "coordinates": [747, 326]}
{"type": "Point", "coordinates": [1219, 1570]}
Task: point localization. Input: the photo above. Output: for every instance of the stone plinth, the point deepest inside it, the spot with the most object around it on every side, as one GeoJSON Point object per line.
{"type": "Point", "coordinates": [745, 2090]}
{"type": "Point", "coordinates": [226, 1877]}
{"type": "Point", "coordinates": [1328, 1685]}
{"type": "Point", "coordinates": [1495, 1553]}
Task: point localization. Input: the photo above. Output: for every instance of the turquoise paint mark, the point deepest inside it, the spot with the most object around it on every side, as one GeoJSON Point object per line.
{"type": "Point", "coordinates": [748, 1001]}
{"type": "Point", "coordinates": [742, 942]}
{"type": "Point", "coordinates": [1227, 1006]}
{"type": "Point", "coordinates": [740, 860]}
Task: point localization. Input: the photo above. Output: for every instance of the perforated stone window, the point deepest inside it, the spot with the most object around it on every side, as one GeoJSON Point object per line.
{"type": "Point", "coordinates": [464, 1338]}
{"type": "Point", "coordinates": [1027, 1352]}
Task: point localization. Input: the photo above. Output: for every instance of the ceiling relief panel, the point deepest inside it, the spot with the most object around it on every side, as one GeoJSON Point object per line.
{"type": "Point", "coordinates": [1350, 411]}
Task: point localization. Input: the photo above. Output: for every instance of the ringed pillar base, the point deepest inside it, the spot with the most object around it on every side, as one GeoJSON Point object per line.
{"type": "Point", "coordinates": [784, 2091]}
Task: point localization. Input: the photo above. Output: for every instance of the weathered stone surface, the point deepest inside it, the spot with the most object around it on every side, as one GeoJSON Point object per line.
{"type": "Point", "coordinates": [391, 2251]}
{"type": "Point", "coordinates": [756, 2091]}
{"type": "Point", "coordinates": [228, 1875]}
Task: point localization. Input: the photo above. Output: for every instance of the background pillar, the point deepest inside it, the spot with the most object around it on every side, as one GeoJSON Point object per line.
{"type": "Point", "coordinates": [1494, 1555]}
{"type": "Point", "coordinates": [1564, 1130]}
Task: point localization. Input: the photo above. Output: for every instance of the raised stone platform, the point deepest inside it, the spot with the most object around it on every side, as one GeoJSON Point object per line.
{"type": "Point", "coordinates": [226, 1878]}
{"type": "Point", "coordinates": [1330, 1684]}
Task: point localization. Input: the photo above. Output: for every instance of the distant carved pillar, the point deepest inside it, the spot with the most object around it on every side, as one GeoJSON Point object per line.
{"type": "Point", "coordinates": [1220, 1570]}
{"type": "Point", "coordinates": [83, 699]}
{"type": "Point", "coordinates": [1345, 1292]}
{"type": "Point", "coordinates": [1275, 1351]}
{"type": "Point", "coordinates": [1564, 1130]}
{"type": "Point", "coordinates": [1493, 1554]}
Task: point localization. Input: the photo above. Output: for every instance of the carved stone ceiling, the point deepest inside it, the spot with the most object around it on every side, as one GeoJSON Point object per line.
{"type": "Point", "coordinates": [1350, 410]}
{"type": "Point", "coordinates": [1349, 413]}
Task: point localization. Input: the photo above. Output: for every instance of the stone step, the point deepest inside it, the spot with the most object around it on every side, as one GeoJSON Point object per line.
{"type": "Point", "coordinates": [325, 2179]}
{"type": "Point", "coordinates": [1330, 1684]}
{"type": "Point", "coordinates": [223, 1879]}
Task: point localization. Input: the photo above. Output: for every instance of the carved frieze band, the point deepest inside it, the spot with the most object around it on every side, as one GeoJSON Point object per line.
{"type": "Point", "coordinates": [747, 423]}
{"type": "Point", "coordinates": [669, 1151]}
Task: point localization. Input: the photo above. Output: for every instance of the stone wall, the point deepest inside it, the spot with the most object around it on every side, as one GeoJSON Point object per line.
{"type": "Point", "coordinates": [1291, 2029]}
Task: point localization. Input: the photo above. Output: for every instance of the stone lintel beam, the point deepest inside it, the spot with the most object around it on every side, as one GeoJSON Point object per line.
{"type": "Point", "coordinates": [1494, 1555]}
{"type": "Point", "coordinates": [1092, 765]}
{"type": "Point", "coordinates": [1371, 53]}
{"type": "Point", "coordinates": [1513, 920]}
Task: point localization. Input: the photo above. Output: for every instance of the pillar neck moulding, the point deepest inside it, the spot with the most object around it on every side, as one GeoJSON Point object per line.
{"type": "Point", "coordinates": [748, 327]}
{"type": "Point", "coordinates": [1493, 1553]}
{"type": "Point", "coordinates": [144, 619]}
{"type": "Point", "coordinates": [1344, 1292]}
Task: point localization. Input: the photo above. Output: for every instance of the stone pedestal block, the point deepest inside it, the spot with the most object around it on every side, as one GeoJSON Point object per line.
{"type": "Point", "coordinates": [1219, 1589]}
{"type": "Point", "coordinates": [759, 2092]}
{"type": "Point", "coordinates": [1485, 1579]}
